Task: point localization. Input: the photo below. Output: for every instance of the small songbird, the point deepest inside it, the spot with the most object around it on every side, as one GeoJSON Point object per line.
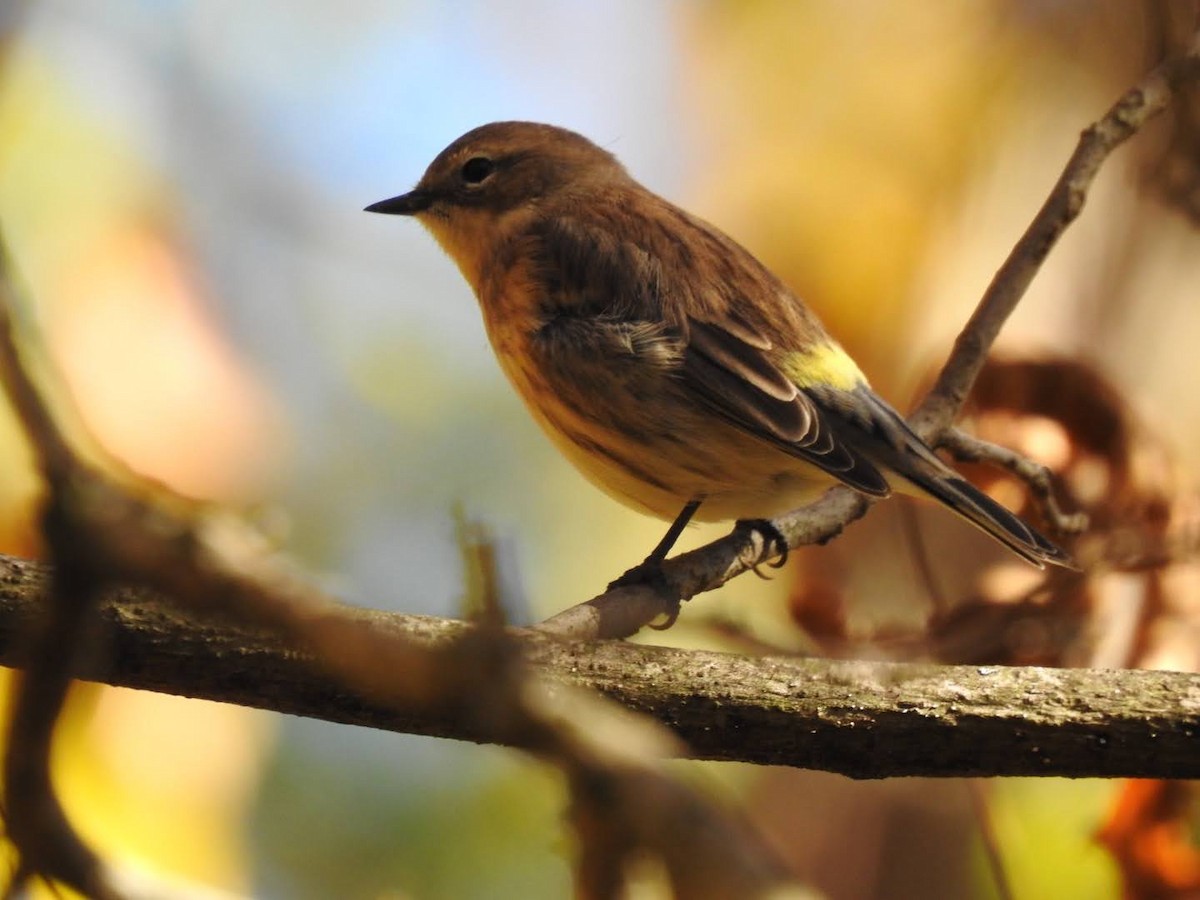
{"type": "Point", "coordinates": [668, 364]}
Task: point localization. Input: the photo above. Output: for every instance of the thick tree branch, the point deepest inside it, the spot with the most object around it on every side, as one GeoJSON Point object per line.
{"type": "Point", "coordinates": [865, 720]}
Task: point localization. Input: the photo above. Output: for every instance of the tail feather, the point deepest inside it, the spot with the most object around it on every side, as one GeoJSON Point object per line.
{"type": "Point", "coordinates": [986, 514]}
{"type": "Point", "coordinates": [868, 423]}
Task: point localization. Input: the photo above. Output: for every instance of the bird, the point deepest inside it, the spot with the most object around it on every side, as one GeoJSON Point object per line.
{"type": "Point", "coordinates": [664, 360]}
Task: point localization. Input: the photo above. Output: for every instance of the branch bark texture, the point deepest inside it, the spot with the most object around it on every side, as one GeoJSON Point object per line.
{"type": "Point", "coordinates": [862, 719]}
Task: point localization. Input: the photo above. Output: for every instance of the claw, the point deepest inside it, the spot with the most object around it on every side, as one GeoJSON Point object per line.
{"type": "Point", "coordinates": [783, 557]}
{"type": "Point", "coordinates": [650, 573]}
{"type": "Point", "coordinates": [672, 616]}
{"type": "Point", "coordinates": [774, 544]}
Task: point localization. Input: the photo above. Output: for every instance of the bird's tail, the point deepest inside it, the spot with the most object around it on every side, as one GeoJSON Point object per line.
{"type": "Point", "coordinates": [866, 421]}
{"type": "Point", "coordinates": [989, 516]}
{"type": "Point", "coordinates": [902, 451]}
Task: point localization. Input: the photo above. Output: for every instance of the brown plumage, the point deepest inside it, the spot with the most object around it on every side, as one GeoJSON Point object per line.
{"type": "Point", "coordinates": [666, 362]}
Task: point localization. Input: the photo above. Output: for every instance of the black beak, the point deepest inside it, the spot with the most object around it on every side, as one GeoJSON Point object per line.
{"type": "Point", "coordinates": [405, 205]}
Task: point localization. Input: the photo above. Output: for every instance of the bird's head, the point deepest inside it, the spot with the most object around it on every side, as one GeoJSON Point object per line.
{"type": "Point", "coordinates": [492, 178]}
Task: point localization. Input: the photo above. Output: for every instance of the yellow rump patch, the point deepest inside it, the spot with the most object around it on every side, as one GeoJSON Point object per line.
{"type": "Point", "coordinates": [825, 364]}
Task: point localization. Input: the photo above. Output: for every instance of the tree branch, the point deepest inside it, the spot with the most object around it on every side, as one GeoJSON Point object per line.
{"type": "Point", "coordinates": [862, 719]}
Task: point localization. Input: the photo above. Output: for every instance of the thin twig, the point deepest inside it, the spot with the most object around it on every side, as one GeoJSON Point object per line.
{"type": "Point", "coordinates": [624, 611]}
{"type": "Point", "coordinates": [1039, 479]}
{"type": "Point", "coordinates": [1128, 115]}
{"type": "Point", "coordinates": [36, 822]}
{"type": "Point", "coordinates": [55, 458]}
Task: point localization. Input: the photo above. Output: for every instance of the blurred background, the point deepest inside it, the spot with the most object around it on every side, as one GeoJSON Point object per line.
{"type": "Point", "coordinates": [181, 186]}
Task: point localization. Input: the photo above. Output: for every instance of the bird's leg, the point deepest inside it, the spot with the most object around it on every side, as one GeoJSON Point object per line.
{"type": "Point", "coordinates": [649, 570]}
{"type": "Point", "coordinates": [774, 543]}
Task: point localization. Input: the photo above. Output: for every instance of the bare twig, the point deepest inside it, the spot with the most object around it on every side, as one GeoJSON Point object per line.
{"type": "Point", "coordinates": [37, 825]}
{"type": "Point", "coordinates": [622, 612]}
{"type": "Point", "coordinates": [1039, 479]}
{"type": "Point", "coordinates": [55, 459]}
{"type": "Point", "coordinates": [1134, 109]}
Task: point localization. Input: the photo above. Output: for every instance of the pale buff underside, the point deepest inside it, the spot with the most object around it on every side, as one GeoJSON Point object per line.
{"type": "Point", "coordinates": [755, 480]}
{"type": "Point", "coordinates": [738, 475]}
{"type": "Point", "coordinates": [689, 451]}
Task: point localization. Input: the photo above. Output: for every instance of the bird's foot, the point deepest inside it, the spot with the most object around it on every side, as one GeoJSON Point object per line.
{"type": "Point", "coordinates": [774, 544]}
{"type": "Point", "coordinates": [649, 573]}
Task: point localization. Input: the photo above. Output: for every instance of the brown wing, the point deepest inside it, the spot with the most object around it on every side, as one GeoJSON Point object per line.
{"type": "Point", "coordinates": [629, 270]}
{"type": "Point", "coordinates": [738, 380]}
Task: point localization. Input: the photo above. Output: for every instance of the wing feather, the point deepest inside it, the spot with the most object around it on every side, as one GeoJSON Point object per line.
{"type": "Point", "coordinates": [739, 381]}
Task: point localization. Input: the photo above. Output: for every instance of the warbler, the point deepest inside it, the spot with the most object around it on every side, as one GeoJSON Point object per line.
{"type": "Point", "coordinates": [661, 357]}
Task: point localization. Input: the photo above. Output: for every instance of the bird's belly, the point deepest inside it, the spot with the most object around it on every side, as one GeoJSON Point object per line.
{"type": "Point", "coordinates": [657, 454]}
{"type": "Point", "coordinates": [738, 476]}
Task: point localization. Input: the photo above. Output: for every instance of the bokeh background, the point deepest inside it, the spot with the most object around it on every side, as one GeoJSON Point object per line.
{"type": "Point", "coordinates": [181, 184]}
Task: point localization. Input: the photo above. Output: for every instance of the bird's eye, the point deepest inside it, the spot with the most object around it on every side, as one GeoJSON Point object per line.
{"type": "Point", "coordinates": [476, 169]}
